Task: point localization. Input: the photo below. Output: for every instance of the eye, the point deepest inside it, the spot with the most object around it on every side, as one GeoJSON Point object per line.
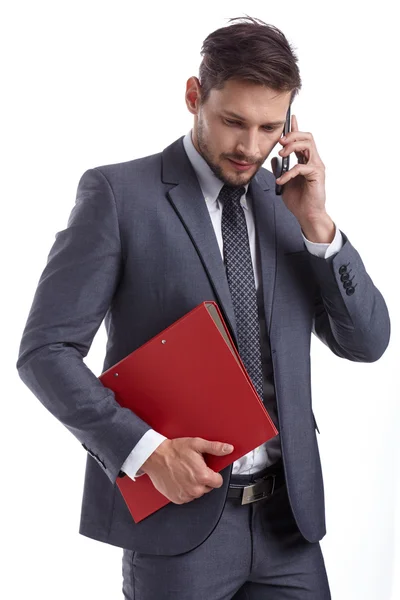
{"type": "Point", "coordinates": [232, 122]}
{"type": "Point", "coordinates": [266, 127]}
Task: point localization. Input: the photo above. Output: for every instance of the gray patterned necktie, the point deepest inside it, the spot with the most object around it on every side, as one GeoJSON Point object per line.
{"type": "Point", "coordinates": [239, 271]}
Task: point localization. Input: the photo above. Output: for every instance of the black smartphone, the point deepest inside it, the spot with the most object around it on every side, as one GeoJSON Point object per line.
{"type": "Point", "coordinates": [283, 164]}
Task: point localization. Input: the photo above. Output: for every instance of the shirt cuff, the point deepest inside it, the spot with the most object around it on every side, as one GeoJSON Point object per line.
{"type": "Point", "coordinates": [141, 452]}
{"type": "Point", "coordinates": [325, 250]}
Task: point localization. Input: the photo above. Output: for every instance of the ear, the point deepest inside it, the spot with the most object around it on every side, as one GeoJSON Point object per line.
{"type": "Point", "coordinates": [192, 94]}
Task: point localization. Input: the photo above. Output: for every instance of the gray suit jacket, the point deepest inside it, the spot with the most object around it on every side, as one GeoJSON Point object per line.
{"type": "Point", "coordinates": [140, 251]}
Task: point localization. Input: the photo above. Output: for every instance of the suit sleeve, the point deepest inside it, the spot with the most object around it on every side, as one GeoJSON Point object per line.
{"type": "Point", "coordinates": [73, 295]}
{"type": "Point", "coordinates": [351, 316]}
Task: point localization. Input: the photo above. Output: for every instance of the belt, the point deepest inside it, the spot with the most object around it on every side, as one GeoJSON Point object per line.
{"type": "Point", "coordinates": [264, 487]}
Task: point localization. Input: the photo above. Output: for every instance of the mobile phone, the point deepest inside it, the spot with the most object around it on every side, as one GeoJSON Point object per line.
{"type": "Point", "coordinates": [283, 164]}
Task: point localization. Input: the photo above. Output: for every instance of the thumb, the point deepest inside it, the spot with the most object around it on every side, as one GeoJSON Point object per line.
{"type": "Point", "coordinates": [216, 448]}
{"type": "Point", "coordinates": [274, 165]}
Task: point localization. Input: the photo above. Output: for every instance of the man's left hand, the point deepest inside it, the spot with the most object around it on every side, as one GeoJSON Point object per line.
{"type": "Point", "coordinates": [304, 192]}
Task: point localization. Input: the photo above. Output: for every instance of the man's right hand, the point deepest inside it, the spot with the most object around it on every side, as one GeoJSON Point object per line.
{"type": "Point", "coordinates": [178, 470]}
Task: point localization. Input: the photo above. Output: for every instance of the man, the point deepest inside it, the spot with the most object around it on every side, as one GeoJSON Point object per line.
{"type": "Point", "coordinates": [146, 242]}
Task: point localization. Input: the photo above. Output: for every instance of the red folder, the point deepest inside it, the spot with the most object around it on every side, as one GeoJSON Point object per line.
{"type": "Point", "coordinates": [189, 381]}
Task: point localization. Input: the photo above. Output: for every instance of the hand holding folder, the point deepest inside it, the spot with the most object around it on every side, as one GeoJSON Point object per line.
{"type": "Point", "coordinates": [189, 381]}
{"type": "Point", "coordinates": [179, 470]}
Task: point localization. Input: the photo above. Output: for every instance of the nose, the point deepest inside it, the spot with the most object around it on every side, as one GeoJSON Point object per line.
{"type": "Point", "coordinates": [247, 146]}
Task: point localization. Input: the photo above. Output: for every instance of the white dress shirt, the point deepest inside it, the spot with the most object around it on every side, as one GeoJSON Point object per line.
{"type": "Point", "coordinates": [211, 185]}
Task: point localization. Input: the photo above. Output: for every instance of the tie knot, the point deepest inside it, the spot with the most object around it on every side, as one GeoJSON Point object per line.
{"type": "Point", "coordinates": [231, 193]}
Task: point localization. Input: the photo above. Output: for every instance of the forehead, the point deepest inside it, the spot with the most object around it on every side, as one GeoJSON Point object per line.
{"type": "Point", "coordinates": [247, 99]}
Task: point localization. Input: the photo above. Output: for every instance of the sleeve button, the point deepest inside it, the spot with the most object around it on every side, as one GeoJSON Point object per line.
{"type": "Point", "coordinates": [350, 291]}
{"type": "Point", "coordinates": [342, 269]}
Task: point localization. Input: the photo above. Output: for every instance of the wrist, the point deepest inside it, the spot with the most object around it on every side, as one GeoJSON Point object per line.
{"type": "Point", "coordinates": [156, 458]}
{"type": "Point", "coordinates": [320, 230]}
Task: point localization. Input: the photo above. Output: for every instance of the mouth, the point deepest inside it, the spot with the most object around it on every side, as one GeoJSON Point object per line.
{"type": "Point", "coordinates": [240, 166]}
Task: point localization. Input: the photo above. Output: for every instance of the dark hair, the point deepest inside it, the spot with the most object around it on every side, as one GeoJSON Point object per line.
{"type": "Point", "coordinates": [252, 51]}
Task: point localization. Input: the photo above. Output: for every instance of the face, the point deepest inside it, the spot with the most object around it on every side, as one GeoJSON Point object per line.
{"type": "Point", "coordinates": [241, 122]}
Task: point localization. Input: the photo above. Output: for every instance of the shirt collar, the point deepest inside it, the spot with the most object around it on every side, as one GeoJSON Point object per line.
{"type": "Point", "coordinates": [210, 184]}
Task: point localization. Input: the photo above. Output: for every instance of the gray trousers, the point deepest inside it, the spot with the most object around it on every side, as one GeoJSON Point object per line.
{"type": "Point", "coordinates": [255, 552]}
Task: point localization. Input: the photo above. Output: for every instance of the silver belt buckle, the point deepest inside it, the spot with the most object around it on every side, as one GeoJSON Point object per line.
{"type": "Point", "coordinates": [256, 491]}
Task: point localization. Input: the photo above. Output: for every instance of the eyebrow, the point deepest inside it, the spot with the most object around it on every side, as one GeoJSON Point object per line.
{"type": "Point", "coordinates": [236, 116]}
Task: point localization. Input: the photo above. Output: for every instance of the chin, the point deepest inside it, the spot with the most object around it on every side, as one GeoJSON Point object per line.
{"type": "Point", "coordinates": [238, 178]}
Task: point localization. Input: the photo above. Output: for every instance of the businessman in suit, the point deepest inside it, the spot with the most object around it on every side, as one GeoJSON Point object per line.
{"type": "Point", "coordinates": [147, 241]}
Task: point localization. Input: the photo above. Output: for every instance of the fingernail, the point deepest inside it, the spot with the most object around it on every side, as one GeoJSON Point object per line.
{"type": "Point", "coordinates": [284, 138]}
{"type": "Point", "coordinates": [227, 448]}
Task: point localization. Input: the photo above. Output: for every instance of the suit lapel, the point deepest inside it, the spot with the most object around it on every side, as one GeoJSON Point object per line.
{"type": "Point", "coordinates": [188, 201]}
{"type": "Point", "coordinates": [264, 220]}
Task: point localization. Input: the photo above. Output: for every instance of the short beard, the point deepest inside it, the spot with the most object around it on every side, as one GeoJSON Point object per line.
{"type": "Point", "coordinates": [206, 154]}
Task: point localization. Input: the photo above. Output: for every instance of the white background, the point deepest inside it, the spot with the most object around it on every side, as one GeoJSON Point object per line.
{"type": "Point", "coordinates": [92, 83]}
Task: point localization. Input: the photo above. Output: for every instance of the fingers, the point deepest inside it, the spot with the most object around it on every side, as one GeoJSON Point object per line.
{"type": "Point", "coordinates": [305, 150]}
{"type": "Point", "coordinates": [211, 447]}
{"type": "Point", "coordinates": [294, 126]}
{"type": "Point", "coordinates": [294, 136]}
{"type": "Point", "coordinates": [298, 169]}
{"type": "Point", "coordinates": [299, 146]}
